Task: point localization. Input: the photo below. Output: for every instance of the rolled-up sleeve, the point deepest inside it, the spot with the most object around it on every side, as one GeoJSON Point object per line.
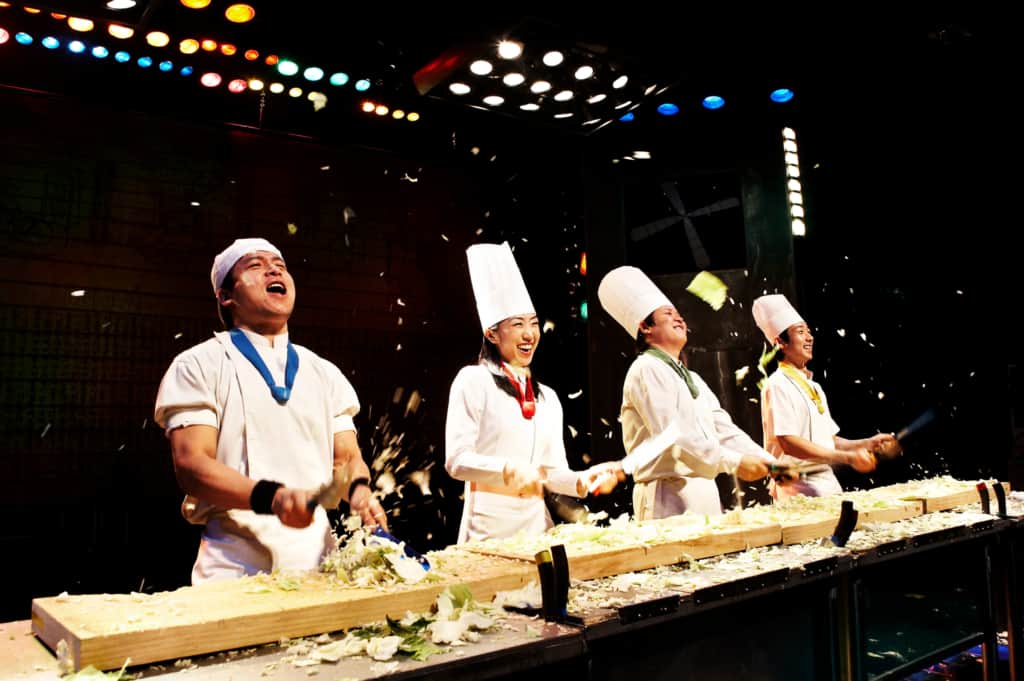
{"type": "Point", "coordinates": [186, 396]}
{"type": "Point", "coordinates": [462, 432]}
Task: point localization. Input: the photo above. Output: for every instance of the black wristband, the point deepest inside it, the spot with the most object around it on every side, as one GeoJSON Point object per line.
{"type": "Point", "coordinates": [262, 496]}
{"type": "Point", "coordinates": [356, 483]}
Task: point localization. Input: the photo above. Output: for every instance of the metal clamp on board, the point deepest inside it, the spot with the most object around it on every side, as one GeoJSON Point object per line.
{"type": "Point", "coordinates": [553, 568]}
{"type": "Point", "coordinates": [983, 493]}
{"type": "Point", "coordinates": [1000, 498]}
{"type": "Point", "coordinates": [847, 521]}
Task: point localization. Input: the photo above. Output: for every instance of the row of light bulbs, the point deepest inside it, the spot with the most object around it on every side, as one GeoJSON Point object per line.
{"type": "Point", "coordinates": [794, 191]}
{"type": "Point", "coordinates": [160, 39]}
{"type": "Point", "coordinates": [208, 79]}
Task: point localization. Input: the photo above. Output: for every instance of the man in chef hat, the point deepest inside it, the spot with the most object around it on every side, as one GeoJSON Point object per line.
{"type": "Point", "coordinates": [660, 392]}
{"type": "Point", "coordinates": [798, 427]}
{"type": "Point", "coordinates": [256, 423]}
{"type": "Point", "coordinates": [503, 431]}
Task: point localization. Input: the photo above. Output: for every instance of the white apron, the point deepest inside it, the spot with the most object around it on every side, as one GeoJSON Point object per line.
{"type": "Point", "coordinates": [487, 515]}
{"type": "Point", "coordinates": [290, 443]}
{"type": "Point", "coordinates": [666, 497]}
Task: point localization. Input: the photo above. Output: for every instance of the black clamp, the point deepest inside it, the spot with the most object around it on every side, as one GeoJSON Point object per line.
{"type": "Point", "coordinates": [847, 521]}
{"type": "Point", "coordinates": [553, 568]}
{"type": "Point", "coordinates": [983, 493]}
{"type": "Point", "coordinates": [1000, 498]}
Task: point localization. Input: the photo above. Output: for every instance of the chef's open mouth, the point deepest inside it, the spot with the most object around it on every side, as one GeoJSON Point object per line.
{"type": "Point", "coordinates": [277, 287]}
{"type": "Point", "coordinates": [525, 348]}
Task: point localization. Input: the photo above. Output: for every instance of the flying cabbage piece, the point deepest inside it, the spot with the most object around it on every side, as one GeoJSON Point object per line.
{"type": "Point", "coordinates": [710, 289]}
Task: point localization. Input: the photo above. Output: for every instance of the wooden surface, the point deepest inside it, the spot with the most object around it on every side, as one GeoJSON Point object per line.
{"type": "Point", "coordinates": [518, 643]}
{"type": "Point", "coordinates": [102, 630]}
{"type": "Point", "coordinates": [813, 528]}
{"type": "Point", "coordinates": [897, 511]}
{"type": "Point", "coordinates": [594, 563]}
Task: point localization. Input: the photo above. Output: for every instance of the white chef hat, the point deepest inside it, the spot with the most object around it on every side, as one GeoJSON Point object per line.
{"type": "Point", "coordinates": [498, 285]}
{"type": "Point", "coordinates": [773, 314]}
{"type": "Point", "coordinates": [227, 258]}
{"type": "Point", "coordinates": [628, 295]}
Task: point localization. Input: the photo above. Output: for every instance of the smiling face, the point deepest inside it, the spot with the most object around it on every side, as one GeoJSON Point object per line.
{"type": "Point", "coordinates": [799, 349]}
{"type": "Point", "coordinates": [516, 339]}
{"type": "Point", "coordinates": [263, 297]}
{"type": "Point", "coordinates": [669, 331]}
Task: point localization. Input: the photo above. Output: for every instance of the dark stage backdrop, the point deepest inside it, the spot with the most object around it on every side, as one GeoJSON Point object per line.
{"type": "Point", "coordinates": [908, 276]}
{"type": "Point", "coordinates": [110, 222]}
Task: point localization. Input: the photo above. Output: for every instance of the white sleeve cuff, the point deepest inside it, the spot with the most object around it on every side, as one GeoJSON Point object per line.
{"type": "Point", "coordinates": [191, 417]}
{"type": "Point", "coordinates": [343, 422]}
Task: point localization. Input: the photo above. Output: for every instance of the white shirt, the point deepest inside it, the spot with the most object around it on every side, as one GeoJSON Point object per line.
{"type": "Point", "coordinates": [293, 443]}
{"type": "Point", "coordinates": [786, 409]}
{"type": "Point", "coordinates": [484, 429]}
{"type": "Point", "coordinates": [653, 395]}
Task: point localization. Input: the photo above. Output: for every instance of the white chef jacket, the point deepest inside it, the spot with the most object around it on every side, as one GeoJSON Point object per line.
{"type": "Point", "coordinates": [484, 429]}
{"type": "Point", "coordinates": [293, 443]}
{"type": "Point", "coordinates": [786, 409]}
{"type": "Point", "coordinates": [682, 478]}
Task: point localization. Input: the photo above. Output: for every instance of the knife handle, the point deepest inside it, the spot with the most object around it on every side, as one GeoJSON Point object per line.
{"type": "Point", "coordinates": [1000, 498]}
{"type": "Point", "coordinates": [983, 493]}
{"type": "Point", "coordinates": [546, 571]}
{"type": "Point", "coordinates": [561, 587]}
{"type": "Point", "coordinates": [847, 521]}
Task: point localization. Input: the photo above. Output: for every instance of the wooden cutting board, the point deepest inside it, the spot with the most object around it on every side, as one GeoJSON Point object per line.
{"type": "Point", "coordinates": [819, 526]}
{"type": "Point", "coordinates": [103, 630]}
{"type": "Point", "coordinates": [594, 563]}
{"type": "Point", "coordinates": [966, 497]}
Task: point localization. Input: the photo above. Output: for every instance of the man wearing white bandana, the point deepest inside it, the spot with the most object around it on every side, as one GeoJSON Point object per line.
{"type": "Point", "coordinates": [659, 393]}
{"type": "Point", "coordinates": [503, 431]}
{"type": "Point", "coordinates": [798, 426]}
{"type": "Point", "coordinates": [256, 424]}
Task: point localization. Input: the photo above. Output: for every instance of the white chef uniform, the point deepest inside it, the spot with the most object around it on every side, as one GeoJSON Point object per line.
{"type": "Point", "coordinates": [653, 396]}
{"type": "Point", "coordinates": [485, 426]}
{"type": "Point", "coordinates": [293, 443]}
{"type": "Point", "coordinates": [484, 429]}
{"type": "Point", "coordinates": [787, 409]}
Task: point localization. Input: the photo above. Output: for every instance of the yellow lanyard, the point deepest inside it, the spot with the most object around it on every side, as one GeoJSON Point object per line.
{"type": "Point", "coordinates": [798, 378]}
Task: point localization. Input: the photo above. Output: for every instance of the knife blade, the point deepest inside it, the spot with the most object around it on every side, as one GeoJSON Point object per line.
{"type": "Point", "coordinates": [648, 450]}
{"type": "Point", "coordinates": [327, 495]}
{"type": "Point", "coordinates": [643, 454]}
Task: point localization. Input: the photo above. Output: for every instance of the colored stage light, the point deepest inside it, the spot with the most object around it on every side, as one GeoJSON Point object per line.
{"type": "Point", "coordinates": [713, 102]}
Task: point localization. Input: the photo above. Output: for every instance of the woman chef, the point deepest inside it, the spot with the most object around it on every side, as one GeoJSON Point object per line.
{"type": "Point", "coordinates": [503, 434]}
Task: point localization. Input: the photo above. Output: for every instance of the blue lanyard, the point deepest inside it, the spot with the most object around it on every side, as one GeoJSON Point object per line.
{"type": "Point", "coordinates": [280, 393]}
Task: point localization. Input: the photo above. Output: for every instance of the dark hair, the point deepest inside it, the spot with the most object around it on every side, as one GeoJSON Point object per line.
{"type": "Point", "coordinates": [641, 339]}
{"type": "Point", "coordinates": [222, 310]}
{"type": "Point", "coordinates": [489, 353]}
{"type": "Point", "coordinates": [784, 336]}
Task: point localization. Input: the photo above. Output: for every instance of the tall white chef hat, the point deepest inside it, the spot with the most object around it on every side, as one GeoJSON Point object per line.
{"type": "Point", "coordinates": [227, 258]}
{"type": "Point", "coordinates": [498, 285]}
{"type": "Point", "coordinates": [773, 314]}
{"type": "Point", "coordinates": [628, 295]}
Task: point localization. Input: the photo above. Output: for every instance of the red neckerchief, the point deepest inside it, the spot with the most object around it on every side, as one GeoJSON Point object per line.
{"type": "Point", "coordinates": [526, 402]}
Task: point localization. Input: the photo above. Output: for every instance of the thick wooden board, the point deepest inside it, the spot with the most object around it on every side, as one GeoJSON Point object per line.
{"type": "Point", "coordinates": [898, 511]}
{"type": "Point", "coordinates": [812, 528]}
{"type": "Point", "coordinates": [819, 526]}
{"type": "Point", "coordinates": [941, 497]}
{"type": "Point", "coordinates": [967, 497]}
{"type": "Point", "coordinates": [591, 564]}
{"type": "Point", "coordinates": [103, 630]}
